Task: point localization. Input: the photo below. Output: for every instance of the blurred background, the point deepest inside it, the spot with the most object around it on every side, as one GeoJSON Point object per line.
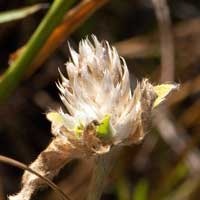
{"type": "Point", "coordinates": [159, 40]}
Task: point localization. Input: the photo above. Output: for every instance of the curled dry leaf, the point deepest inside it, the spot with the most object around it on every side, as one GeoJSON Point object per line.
{"type": "Point", "coordinates": [47, 164]}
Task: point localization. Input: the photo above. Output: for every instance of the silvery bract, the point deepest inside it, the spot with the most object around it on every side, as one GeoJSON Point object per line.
{"type": "Point", "coordinates": [98, 97]}
{"type": "Point", "coordinates": [102, 111]}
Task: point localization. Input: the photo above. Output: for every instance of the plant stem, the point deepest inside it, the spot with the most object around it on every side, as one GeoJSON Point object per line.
{"type": "Point", "coordinates": [13, 75]}
{"type": "Point", "coordinates": [102, 168]}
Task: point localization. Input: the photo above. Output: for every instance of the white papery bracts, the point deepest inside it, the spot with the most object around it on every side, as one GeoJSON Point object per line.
{"type": "Point", "coordinates": [102, 109]}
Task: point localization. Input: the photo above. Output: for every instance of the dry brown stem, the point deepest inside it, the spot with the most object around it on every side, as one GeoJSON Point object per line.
{"type": "Point", "coordinates": [166, 40]}
{"type": "Point", "coordinates": [48, 164]}
{"type": "Point", "coordinates": [102, 168]}
{"type": "Point", "coordinates": [162, 117]}
{"type": "Point", "coordinates": [186, 38]}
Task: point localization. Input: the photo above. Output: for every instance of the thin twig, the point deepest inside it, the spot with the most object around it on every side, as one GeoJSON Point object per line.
{"type": "Point", "coordinates": [162, 117]}
{"type": "Point", "coordinates": [166, 40]}
{"type": "Point", "coordinates": [167, 128]}
{"type": "Point", "coordinates": [20, 165]}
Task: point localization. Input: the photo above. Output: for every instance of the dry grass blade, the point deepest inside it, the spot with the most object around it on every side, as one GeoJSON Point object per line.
{"type": "Point", "coordinates": [16, 14]}
{"type": "Point", "coordinates": [167, 45]}
{"type": "Point", "coordinates": [102, 168]}
{"type": "Point", "coordinates": [162, 120]}
{"type": "Point", "coordinates": [72, 20]}
{"type": "Point", "coordinates": [147, 46]}
{"type": "Point", "coordinates": [166, 38]}
{"type": "Point", "coordinates": [20, 165]}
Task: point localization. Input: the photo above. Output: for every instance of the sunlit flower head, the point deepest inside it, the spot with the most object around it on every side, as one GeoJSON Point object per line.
{"type": "Point", "coordinates": [102, 109]}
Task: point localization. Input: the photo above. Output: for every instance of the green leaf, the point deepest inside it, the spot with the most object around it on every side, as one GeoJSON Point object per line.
{"type": "Point", "coordinates": [104, 130]}
{"type": "Point", "coordinates": [14, 73]}
{"type": "Point", "coordinates": [20, 13]}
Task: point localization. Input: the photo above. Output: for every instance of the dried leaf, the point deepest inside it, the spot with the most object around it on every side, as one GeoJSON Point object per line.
{"type": "Point", "coordinates": [20, 13]}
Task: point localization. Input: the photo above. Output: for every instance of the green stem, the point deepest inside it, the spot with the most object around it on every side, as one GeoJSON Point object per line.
{"type": "Point", "coordinates": [13, 75]}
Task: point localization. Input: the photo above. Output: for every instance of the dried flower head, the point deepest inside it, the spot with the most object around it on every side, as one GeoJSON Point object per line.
{"type": "Point", "coordinates": [103, 111]}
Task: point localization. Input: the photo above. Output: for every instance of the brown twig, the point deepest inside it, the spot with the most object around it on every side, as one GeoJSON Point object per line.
{"type": "Point", "coordinates": [147, 45]}
{"type": "Point", "coordinates": [187, 43]}
{"type": "Point", "coordinates": [162, 118]}
{"type": "Point", "coordinates": [102, 168]}
{"type": "Point", "coordinates": [166, 40]}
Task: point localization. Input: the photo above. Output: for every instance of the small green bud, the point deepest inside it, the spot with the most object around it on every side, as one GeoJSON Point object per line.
{"type": "Point", "coordinates": [103, 130]}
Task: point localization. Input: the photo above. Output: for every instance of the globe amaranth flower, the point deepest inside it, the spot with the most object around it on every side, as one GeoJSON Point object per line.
{"type": "Point", "coordinates": [102, 109]}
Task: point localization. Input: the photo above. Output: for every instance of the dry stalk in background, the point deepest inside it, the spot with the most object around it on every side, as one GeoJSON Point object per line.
{"type": "Point", "coordinates": [162, 119]}
{"type": "Point", "coordinates": [166, 40]}
{"type": "Point", "coordinates": [167, 128]}
{"type": "Point", "coordinates": [102, 168]}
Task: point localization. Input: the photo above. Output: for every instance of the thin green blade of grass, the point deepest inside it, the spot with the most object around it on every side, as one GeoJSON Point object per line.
{"type": "Point", "coordinates": [11, 78]}
{"type": "Point", "coordinates": [17, 14]}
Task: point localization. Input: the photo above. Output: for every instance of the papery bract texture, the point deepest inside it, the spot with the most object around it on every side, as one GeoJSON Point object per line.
{"type": "Point", "coordinates": [98, 88]}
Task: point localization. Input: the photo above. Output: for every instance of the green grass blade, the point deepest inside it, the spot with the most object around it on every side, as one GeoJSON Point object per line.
{"type": "Point", "coordinates": [15, 72]}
